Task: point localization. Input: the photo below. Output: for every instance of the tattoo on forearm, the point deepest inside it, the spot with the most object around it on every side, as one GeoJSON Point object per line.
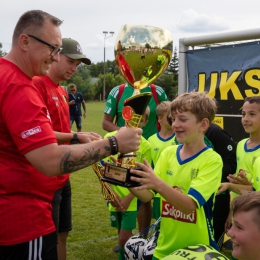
{"type": "Point", "coordinates": [70, 164]}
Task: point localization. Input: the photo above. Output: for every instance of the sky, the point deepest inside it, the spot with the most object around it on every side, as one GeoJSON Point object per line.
{"type": "Point", "coordinates": [85, 20]}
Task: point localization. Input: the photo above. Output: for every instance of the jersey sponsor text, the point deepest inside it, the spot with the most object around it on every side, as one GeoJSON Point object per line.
{"type": "Point", "coordinates": [31, 132]}
{"type": "Point", "coordinates": [169, 211]}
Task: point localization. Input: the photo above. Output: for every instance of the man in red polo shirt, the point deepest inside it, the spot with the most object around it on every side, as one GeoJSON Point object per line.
{"type": "Point", "coordinates": [30, 158]}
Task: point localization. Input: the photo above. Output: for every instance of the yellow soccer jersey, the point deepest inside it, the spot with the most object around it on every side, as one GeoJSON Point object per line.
{"type": "Point", "coordinates": [199, 177]}
{"type": "Point", "coordinates": [256, 174]}
{"type": "Point", "coordinates": [158, 144]}
{"type": "Point", "coordinates": [245, 161]}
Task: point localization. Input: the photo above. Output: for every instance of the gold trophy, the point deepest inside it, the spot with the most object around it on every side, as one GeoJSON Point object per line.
{"type": "Point", "coordinates": [142, 54]}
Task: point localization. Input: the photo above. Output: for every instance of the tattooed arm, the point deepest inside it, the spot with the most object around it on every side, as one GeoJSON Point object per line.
{"type": "Point", "coordinates": [53, 160]}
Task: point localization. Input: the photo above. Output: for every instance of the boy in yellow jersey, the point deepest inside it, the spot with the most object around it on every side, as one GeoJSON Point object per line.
{"type": "Point", "coordinates": [159, 142]}
{"type": "Point", "coordinates": [248, 150]}
{"type": "Point", "coordinates": [186, 176]}
{"type": "Point", "coordinates": [124, 218]}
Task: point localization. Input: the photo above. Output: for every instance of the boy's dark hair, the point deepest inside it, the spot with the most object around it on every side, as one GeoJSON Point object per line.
{"type": "Point", "coordinates": [255, 99]}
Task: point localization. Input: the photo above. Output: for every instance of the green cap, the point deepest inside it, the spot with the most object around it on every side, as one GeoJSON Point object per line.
{"type": "Point", "coordinates": [72, 49]}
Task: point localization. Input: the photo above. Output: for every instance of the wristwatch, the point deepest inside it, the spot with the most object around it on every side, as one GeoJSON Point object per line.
{"type": "Point", "coordinates": [75, 139]}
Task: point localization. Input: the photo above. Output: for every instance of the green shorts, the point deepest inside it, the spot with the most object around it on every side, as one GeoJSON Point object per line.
{"type": "Point", "coordinates": [156, 208]}
{"type": "Point", "coordinates": [123, 220]}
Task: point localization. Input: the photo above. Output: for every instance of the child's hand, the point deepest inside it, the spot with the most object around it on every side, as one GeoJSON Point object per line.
{"type": "Point", "coordinates": [125, 202]}
{"type": "Point", "coordinates": [117, 202]}
{"type": "Point", "coordinates": [146, 176]}
{"type": "Point", "coordinates": [239, 179]}
{"type": "Point", "coordinates": [223, 187]}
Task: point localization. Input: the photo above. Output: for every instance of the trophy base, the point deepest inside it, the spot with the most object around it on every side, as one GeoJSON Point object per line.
{"type": "Point", "coordinates": [119, 176]}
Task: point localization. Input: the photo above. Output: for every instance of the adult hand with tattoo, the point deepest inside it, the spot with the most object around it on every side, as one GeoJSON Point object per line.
{"type": "Point", "coordinates": [128, 139]}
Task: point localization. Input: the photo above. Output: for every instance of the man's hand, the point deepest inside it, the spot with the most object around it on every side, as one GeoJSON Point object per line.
{"type": "Point", "coordinates": [87, 137]}
{"type": "Point", "coordinates": [128, 139]}
{"type": "Point", "coordinates": [84, 114]}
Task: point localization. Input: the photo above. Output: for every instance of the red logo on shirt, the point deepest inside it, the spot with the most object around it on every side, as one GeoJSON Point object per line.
{"type": "Point", "coordinates": [169, 211]}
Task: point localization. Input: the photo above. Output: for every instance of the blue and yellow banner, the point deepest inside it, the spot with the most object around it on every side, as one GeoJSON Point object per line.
{"type": "Point", "coordinates": [229, 74]}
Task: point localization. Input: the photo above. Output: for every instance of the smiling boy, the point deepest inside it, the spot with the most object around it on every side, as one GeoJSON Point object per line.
{"type": "Point", "coordinates": [245, 231]}
{"type": "Point", "coordinates": [186, 176]}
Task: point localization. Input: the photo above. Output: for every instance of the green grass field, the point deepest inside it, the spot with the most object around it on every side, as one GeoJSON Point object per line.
{"type": "Point", "coordinates": [92, 238]}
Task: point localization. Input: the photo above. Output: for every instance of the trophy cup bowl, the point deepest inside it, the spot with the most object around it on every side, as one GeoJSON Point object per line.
{"type": "Point", "coordinates": [142, 54]}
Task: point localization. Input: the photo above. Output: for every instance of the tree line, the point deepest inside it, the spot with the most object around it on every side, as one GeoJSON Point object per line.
{"type": "Point", "coordinates": [89, 79]}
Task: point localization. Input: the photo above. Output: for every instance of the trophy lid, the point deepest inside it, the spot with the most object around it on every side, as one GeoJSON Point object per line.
{"type": "Point", "coordinates": [142, 53]}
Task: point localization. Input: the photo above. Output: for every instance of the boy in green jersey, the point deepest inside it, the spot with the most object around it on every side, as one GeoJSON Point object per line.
{"type": "Point", "coordinates": [159, 142]}
{"type": "Point", "coordinates": [186, 176]}
{"type": "Point", "coordinates": [124, 217]}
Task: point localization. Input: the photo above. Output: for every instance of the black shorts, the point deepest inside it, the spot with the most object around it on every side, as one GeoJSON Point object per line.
{"type": "Point", "coordinates": [41, 248]}
{"type": "Point", "coordinates": [61, 204]}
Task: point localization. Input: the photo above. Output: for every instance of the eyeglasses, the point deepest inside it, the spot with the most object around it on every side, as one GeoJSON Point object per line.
{"type": "Point", "coordinates": [54, 49]}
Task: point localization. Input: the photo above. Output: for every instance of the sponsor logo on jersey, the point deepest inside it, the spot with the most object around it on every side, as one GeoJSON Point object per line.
{"type": "Point", "coordinates": [194, 173]}
{"type": "Point", "coordinates": [48, 115]}
{"type": "Point", "coordinates": [230, 147]}
{"type": "Point", "coordinates": [55, 98]}
{"type": "Point", "coordinates": [169, 211]}
{"type": "Point", "coordinates": [65, 98]}
{"type": "Point", "coordinates": [168, 172]}
{"type": "Point", "coordinates": [113, 218]}
{"type": "Point", "coordinates": [31, 132]}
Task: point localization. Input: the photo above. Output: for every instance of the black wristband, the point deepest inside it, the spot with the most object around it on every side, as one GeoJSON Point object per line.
{"type": "Point", "coordinates": [75, 139]}
{"type": "Point", "coordinates": [113, 145]}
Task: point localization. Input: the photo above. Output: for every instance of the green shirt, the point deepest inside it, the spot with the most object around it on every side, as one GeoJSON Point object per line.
{"type": "Point", "coordinates": [150, 128]}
